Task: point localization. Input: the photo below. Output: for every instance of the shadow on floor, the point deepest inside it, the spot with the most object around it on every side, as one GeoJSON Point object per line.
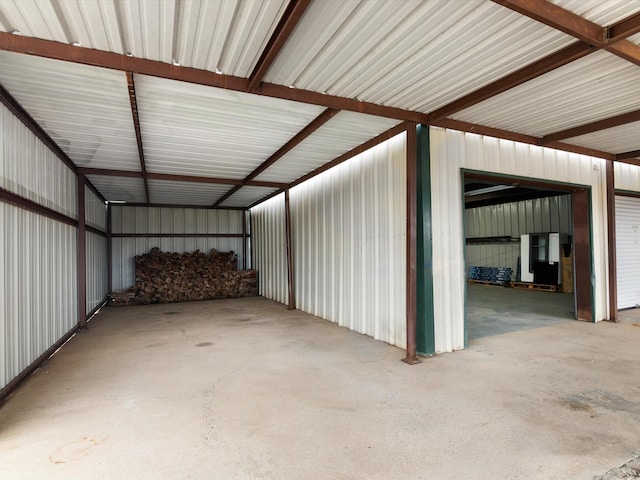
{"type": "Point", "coordinates": [494, 310]}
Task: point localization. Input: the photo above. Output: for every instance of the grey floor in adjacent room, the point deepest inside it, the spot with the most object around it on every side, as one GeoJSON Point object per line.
{"type": "Point", "coordinates": [245, 389]}
{"type": "Point", "coordinates": [493, 310]}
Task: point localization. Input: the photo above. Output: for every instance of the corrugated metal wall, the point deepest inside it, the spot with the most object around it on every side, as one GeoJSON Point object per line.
{"type": "Point", "coordinates": [628, 251]}
{"type": "Point", "coordinates": [96, 250]}
{"type": "Point", "coordinates": [29, 169]}
{"type": "Point", "coordinates": [269, 248]}
{"type": "Point", "coordinates": [626, 176]}
{"type": "Point", "coordinates": [551, 214]}
{"type": "Point", "coordinates": [180, 221]}
{"type": "Point", "coordinates": [38, 282]}
{"type": "Point", "coordinates": [452, 151]}
{"type": "Point", "coordinates": [349, 243]}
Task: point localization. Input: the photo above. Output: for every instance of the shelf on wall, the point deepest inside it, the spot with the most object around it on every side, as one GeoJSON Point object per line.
{"type": "Point", "coordinates": [491, 240]}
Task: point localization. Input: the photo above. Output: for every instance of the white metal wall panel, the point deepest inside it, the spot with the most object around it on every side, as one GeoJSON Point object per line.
{"type": "Point", "coordinates": [269, 248]}
{"type": "Point", "coordinates": [342, 133]}
{"type": "Point", "coordinates": [613, 87]}
{"type": "Point", "coordinates": [551, 214]}
{"type": "Point", "coordinates": [349, 240]}
{"type": "Point", "coordinates": [38, 287]}
{"type": "Point", "coordinates": [97, 270]}
{"type": "Point", "coordinates": [198, 130]}
{"type": "Point", "coordinates": [186, 193]}
{"type": "Point", "coordinates": [84, 109]}
{"type": "Point", "coordinates": [452, 151]}
{"type": "Point", "coordinates": [393, 52]}
{"type": "Point", "coordinates": [626, 177]}
{"type": "Point", "coordinates": [29, 169]}
{"type": "Point", "coordinates": [625, 138]}
{"type": "Point", "coordinates": [628, 251]}
{"type": "Point", "coordinates": [247, 196]}
{"type": "Point", "coordinates": [120, 189]}
{"type": "Point", "coordinates": [143, 220]}
{"type": "Point", "coordinates": [95, 210]}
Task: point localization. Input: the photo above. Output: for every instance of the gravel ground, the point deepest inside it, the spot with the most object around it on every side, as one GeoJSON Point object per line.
{"type": "Point", "coordinates": [629, 470]}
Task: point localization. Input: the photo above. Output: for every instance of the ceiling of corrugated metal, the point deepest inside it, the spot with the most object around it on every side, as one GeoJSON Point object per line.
{"type": "Point", "coordinates": [223, 102]}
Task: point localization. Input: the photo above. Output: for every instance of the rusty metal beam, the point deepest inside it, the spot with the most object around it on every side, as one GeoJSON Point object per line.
{"type": "Point", "coordinates": [287, 24]}
{"type": "Point", "coordinates": [320, 120]}
{"type": "Point", "coordinates": [115, 61]}
{"type": "Point", "coordinates": [603, 124]}
{"type": "Point", "coordinates": [627, 155]}
{"type": "Point", "coordinates": [627, 50]}
{"type": "Point", "coordinates": [412, 235]}
{"type": "Point", "coordinates": [290, 278]}
{"type": "Point", "coordinates": [82, 256]}
{"type": "Point", "coordinates": [176, 178]}
{"type": "Point", "coordinates": [136, 125]}
{"type": "Point", "coordinates": [611, 243]}
{"type": "Point", "coordinates": [559, 18]}
{"type": "Point", "coordinates": [624, 28]}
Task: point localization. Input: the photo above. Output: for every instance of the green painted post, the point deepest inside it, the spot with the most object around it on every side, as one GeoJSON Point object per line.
{"type": "Point", "coordinates": [424, 322]}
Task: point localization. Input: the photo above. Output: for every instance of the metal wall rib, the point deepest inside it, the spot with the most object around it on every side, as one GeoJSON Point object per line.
{"type": "Point", "coordinates": [168, 221]}
{"type": "Point", "coordinates": [452, 151]}
{"type": "Point", "coordinates": [348, 229]}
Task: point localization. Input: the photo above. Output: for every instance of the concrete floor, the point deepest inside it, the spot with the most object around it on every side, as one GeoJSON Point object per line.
{"type": "Point", "coordinates": [244, 389]}
{"type": "Point", "coordinates": [494, 310]}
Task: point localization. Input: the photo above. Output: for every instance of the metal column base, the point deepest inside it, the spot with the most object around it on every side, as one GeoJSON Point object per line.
{"type": "Point", "coordinates": [411, 359]}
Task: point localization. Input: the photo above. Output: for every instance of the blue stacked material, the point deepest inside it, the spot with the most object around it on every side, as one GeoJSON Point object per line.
{"type": "Point", "coordinates": [497, 275]}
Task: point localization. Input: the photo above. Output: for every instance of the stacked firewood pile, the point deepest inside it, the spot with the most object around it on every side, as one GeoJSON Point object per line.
{"type": "Point", "coordinates": [185, 277]}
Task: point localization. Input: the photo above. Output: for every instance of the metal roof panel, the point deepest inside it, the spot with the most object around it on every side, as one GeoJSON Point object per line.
{"type": "Point", "coordinates": [415, 54]}
{"type": "Point", "coordinates": [198, 130]}
{"type": "Point", "coordinates": [598, 86]}
{"type": "Point", "coordinates": [342, 133]}
{"type": "Point", "coordinates": [85, 109]}
{"type": "Point", "coordinates": [246, 196]}
{"type": "Point", "coordinates": [185, 193]}
{"type": "Point", "coordinates": [624, 138]}
{"type": "Point", "coordinates": [119, 189]}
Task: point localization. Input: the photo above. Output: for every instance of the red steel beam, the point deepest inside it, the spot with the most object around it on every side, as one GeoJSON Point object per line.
{"type": "Point", "coordinates": [136, 126]}
{"type": "Point", "coordinates": [603, 124]}
{"type": "Point", "coordinates": [627, 155]}
{"type": "Point", "coordinates": [82, 256]}
{"type": "Point", "coordinates": [290, 278]}
{"type": "Point", "coordinates": [412, 235]}
{"type": "Point", "coordinates": [559, 18]}
{"type": "Point", "coordinates": [287, 24]}
{"type": "Point", "coordinates": [176, 178]}
{"type": "Point", "coordinates": [611, 243]}
{"type": "Point", "coordinates": [624, 28]}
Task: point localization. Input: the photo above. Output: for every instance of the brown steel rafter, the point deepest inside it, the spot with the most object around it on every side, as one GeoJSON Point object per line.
{"type": "Point", "coordinates": [287, 24]}
{"type": "Point", "coordinates": [320, 120]}
{"type": "Point", "coordinates": [136, 125]}
{"type": "Point", "coordinates": [603, 124]}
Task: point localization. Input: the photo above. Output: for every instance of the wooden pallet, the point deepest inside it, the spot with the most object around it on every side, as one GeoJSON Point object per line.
{"type": "Point", "coordinates": [486, 282]}
{"type": "Point", "coordinates": [535, 286]}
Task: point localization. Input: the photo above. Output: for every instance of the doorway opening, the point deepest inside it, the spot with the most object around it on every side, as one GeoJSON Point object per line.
{"type": "Point", "coordinates": [527, 254]}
